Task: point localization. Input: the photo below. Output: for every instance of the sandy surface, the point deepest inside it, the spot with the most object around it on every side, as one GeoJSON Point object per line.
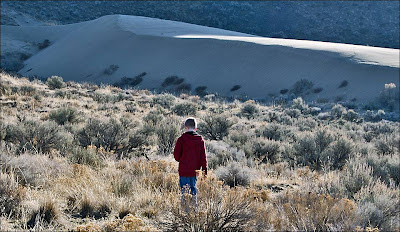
{"type": "Point", "coordinates": [204, 56]}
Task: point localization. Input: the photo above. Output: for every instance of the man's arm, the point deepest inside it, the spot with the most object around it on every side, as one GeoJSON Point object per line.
{"type": "Point", "coordinates": [178, 150]}
{"type": "Point", "coordinates": [203, 158]}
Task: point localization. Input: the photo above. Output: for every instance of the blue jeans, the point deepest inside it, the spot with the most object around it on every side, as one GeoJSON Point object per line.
{"type": "Point", "coordinates": [188, 185]}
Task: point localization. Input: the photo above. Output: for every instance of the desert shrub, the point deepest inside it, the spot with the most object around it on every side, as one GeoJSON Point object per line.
{"type": "Point", "coordinates": [233, 174]}
{"type": "Point", "coordinates": [184, 109]}
{"type": "Point", "coordinates": [183, 88]}
{"type": "Point", "coordinates": [235, 87]}
{"type": "Point", "coordinates": [309, 211]}
{"type": "Point", "coordinates": [338, 153]}
{"type": "Point", "coordinates": [108, 98]}
{"type": "Point", "coordinates": [338, 111]}
{"type": "Point", "coordinates": [249, 110]}
{"type": "Point", "coordinates": [201, 90]}
{"type": "Point", "coordinates": [273, 131]}
{"type": "Point", "coordinates": [389, 97]}
{"type": "Point", "coordinates": [386, 168]}
{"type": "Point", "coordinates": [38, 137]}
{"type": "Point", "coordinates": [302, 86]}
{"type": "Point", "coordinates": [378, 206]}
{"type": "Point", "coordinates": [371, 116]}
{"type": "Point", "coordinates": [323, 138]}
{"type": "Point", "coordinates": [238, 138]}
{"type": "Point", "coordinates": [215, 126]}
{"type": "Point", "coordinates": [164, 100]}
{"type": "Point", "coordinates": [3, 130]}
{"type": "Point", "coordinates": [351, 116]}
{"type": "Point", "coordinates": [4, 89]}
{"type": "Point", "coordinates": [11, 195]}
{"type": "Point", "coordinates": [127, 82]}
{"type": "Point", "coordinates": [34, 170]}
{"type": "Point", "coordinates": [305, 152]}
{"type": "Point", "coordinates": [300, 104]}
{"type": "Point", "coordinates": [111, 69]}
{"type": "Point", "coordinates": [317, 90]}
{"type": "Point", "coordinates": [46, 214]}
{"type": "Point", "coordinates": [343, 84]}
{"type": "Point", "coordinates": [283, 91]}
{"type": "Point", "coordinates": [44, 44]}
{"type": "Point", "coordinates": [384, 147]}
{"type": "Point", "coordinates": [219, 210]}
{"type": "Point", "coordinates": [27, 90]}
{"type": "Point", "coordinates": [357, 174]}
{"type": "Point", "coordinates": [85, 156]}
{"type": "Point", "coordinates": [167, 132]}
{"type": "Point", "coordinates": [293, 113]}
{"type": "Point", "coordinates": [306, 124]}
{"type": "Point", "coordinates": [110, 135]}
{"type": "Point", "coordinates": [64, 115]}
{"type": "Point", "coordinates": [220, 153]}
{"type": "Point", "coordinates": [172, 80]}
{"type": "Point", "coordinates": [263, 150]}
{"type": "Point", "coordinates": [55, 82]}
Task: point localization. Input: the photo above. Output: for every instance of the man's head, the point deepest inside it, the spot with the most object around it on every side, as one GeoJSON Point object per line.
{"type": "Point", "coordinates": [190, 124]}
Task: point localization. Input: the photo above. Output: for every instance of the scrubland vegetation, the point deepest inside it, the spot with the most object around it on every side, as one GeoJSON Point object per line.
{"type": "Point", "coordinates": [82, 157]}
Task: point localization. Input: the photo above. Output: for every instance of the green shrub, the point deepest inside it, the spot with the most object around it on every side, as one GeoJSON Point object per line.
{"type": "Point", "coordinates": [338, 111]}
{"type": "Point", "coordinates": [302, 86]}
{"type": "Point", "coordinates": [249, 110]}
{"type": "Point", "coordinates": [64, 115]}
{"type": "Point", "coordinates": [293, 113]}
{"type": "Point", "coordinates": [110, 135]}
{"type": "Point", "coordinates": [338, 153]}
{"type": "Point", "coordinates": [273, 131]}
{"type": "Point", "coordinates": [201, 90]}
{"type": "Point", "coordinates": [215, 126]}
{"type": "Point", "coordinates": [164, 100]}
{"type": "Point", "coordinates": [389, 97]}
{"type": "Point", "coordinates": [172, 80]}
{"type": "Point", "coordinates": [167, 132]}
{"type": "Point", "coordinates": [301, 105]}
{"type": "Point", "coordinates": [351, 116]}
{"type": "Point", "coordinates": [38, 137]}
{"type": "Point", "coordinates": [111, 69]}
{"type": "Point", "coordinates": [55, 82]}
{"type": "Point", "coordinates": [183, 88]}
{"type": "Point", "coordinates": [184, 109]}
{"type": "Point", "coordinates": [44, 44]}
{"type": "Point", "coordinates": [263, 150]}
{"type": "Point", "coordinates": [234, 174]}
{"type": "Point", "coordinates": [235, 87]}
{"type": "Point", "coordinates": [220, 153]}
{"type": "Point", "coordinates": [27, 90]}
{"type": "Point", "coordinates": [358, 174]}
{"type": "Point", "coordinates": [343, 84]}
{"type": "Point", "coordinates": [85, 156]}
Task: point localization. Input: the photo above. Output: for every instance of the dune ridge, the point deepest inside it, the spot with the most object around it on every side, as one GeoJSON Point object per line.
{"type": "Point", "coordinates": [215, 58]}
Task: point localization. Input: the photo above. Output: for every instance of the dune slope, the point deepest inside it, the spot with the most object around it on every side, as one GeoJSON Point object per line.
{"type": "Point", "coordinates": [215, 58]}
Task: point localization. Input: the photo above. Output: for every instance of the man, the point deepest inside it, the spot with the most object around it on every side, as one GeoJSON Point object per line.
{"type": "Point", "coordinates": [191, 154]}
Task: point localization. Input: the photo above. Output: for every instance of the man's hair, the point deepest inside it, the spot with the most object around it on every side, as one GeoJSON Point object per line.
{"type": "Point", "coordinates": [191, 123]}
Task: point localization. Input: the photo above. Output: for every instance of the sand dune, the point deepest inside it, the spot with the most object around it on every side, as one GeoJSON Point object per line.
{"type": "Point", "coordinates": [204, 56]}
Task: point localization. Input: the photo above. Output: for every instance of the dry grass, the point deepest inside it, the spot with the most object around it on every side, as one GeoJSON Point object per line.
{"type": "Point", "coordinates": [110, 188]}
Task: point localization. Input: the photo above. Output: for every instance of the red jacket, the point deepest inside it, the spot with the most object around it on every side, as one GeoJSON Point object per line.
{"type": "Point", "coordinates": [190, 152]}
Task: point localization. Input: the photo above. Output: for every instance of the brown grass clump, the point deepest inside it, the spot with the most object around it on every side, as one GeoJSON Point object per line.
{"type": "Point", "coordinates": [311, 211]}
{"type": "Point", "coordinates": [219, 209]}
{"type": "Point", "coordinates": [128, 223]}
{"type": "Point", "coordinates": [46, 214]}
